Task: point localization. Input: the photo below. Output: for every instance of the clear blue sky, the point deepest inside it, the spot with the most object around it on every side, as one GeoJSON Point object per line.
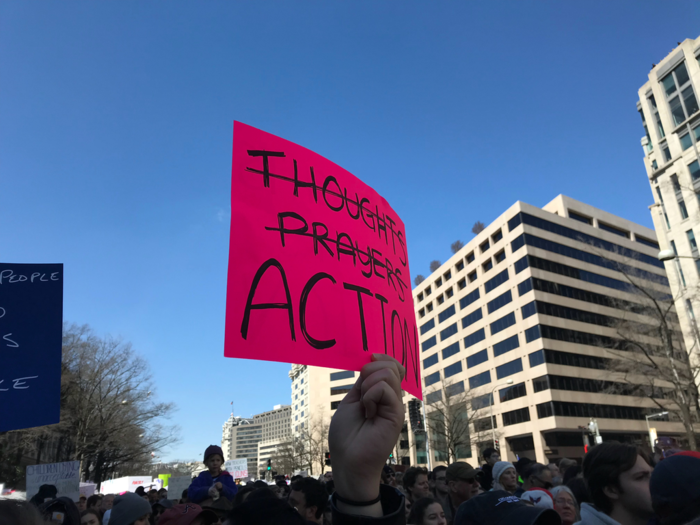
{"type": "Point", "coordinates": [115, 143]}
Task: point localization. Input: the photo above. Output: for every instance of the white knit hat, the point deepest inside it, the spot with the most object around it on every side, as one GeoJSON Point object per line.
{"type": "Point", "coordinates": [499, 468]}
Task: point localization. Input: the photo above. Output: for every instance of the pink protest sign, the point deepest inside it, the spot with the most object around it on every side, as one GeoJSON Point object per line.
{"type": "Point", "coordinates": [318, 268]}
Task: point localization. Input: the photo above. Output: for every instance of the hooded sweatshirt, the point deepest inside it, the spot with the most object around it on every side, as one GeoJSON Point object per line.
{"type": "Point", "coordinates": [592, 516]}
{"type": "Point", "coordinates": [199, 489]}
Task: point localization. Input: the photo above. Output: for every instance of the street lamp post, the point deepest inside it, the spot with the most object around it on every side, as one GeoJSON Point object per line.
{"type": "Point", "coordinates": [651, 438]}
{"type": "Point", "coordinates": [493, 427]}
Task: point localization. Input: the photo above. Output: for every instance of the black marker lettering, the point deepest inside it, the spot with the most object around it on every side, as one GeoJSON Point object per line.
{"type": "Point", "coordinates": [360, 291]}
{"type": "Point", "coordinates": [347, 249]}
{"type": "Point", "coordinates": [299, 184]}
{"type": "Point", "coordinates": [316, 343]}
{"type": "Point", "coordinates": [320, 238]}
{"type": "Point", "coordinates": [266, 306]}
{"type": "Point", "coordinates": [370, 214]}
{"type": "Point", "coordinates": [381, 224]}
{"type": "Point", "coordinates": [395, 315]}
{"type": "Point", "coordinates": [266, 163]}
{"type": "Point", "coordinates": [376, 263]}
{"type": "Point", "coordinates": [356, 203]}
{"type": "Point", "coordinates": [360, 253]}
{"type": "Point", "coordinates": [383, 300]}
{"type": "Point", "coordinates": [296, 231]}
{"type": "Point", "coordinates": [326, 183]}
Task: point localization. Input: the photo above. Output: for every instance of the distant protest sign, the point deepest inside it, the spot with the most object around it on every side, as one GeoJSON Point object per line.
{"type": "Point", "coordinates": [64, 476]}
{"type": "Point", "coordinates": [238, 468]}
{"type": "Point", "coordinates": [318, 267]}
{"type": "Point", "coordinates": [31, 319]}
{"type": "Point", "coordinates": [177, 484]}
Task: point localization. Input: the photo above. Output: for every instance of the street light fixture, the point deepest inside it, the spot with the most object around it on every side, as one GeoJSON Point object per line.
{"type": "Point", "coordinates": [651, 437]}
{"type": "Point", "coordinates": [493, 427]}
{"type": "Point", "coordinates": [669, 255]}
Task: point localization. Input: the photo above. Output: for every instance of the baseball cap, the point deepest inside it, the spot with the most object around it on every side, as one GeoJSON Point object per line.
{"type": "Point", "coordinates": [461, 470]}
{"type": "Point", "coordinates": [499, 507]}
{"type": "Point", "coordinates": [184, 514]}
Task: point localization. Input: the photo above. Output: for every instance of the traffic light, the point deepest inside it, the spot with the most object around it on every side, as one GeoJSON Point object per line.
{"type": "Point", "coordinates": [328, 459]}
{"type": "Point", "coordinates": [495, 443]}
{"type": "Point", "coordinates": [269, 464]}
{"type": "Point", "coordinates": [415, 416]}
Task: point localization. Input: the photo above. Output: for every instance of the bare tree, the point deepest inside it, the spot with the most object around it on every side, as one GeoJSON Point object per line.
{"type": "Point", "coordinates": [291, 456]}
{"type": "Point", "coordinates": [418, 279]}
{"type": "Point", "coordinates": [478, 227]}
{"type": "Point", "coordinates": [314, 440]}
{"type": "Point", "coordinates": [455, 420]}
{"type": "Point", "coordinates": [434, 265]}
{"type": "Point", "coordinates": [456, 246]}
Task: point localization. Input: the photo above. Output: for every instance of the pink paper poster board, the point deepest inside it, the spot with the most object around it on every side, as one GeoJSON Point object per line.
{"type": "Point", "coordinates": [318, 268]}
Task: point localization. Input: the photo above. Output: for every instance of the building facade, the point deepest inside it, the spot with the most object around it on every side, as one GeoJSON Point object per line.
{"type": "Point", "coordinates": [276, 432]}
{"type": "Point", "coordinates": [519, 323]}
{"type": "Point", "coordinates": [668, 105]}
{"type": "Point", "coordinates": [240, 439]}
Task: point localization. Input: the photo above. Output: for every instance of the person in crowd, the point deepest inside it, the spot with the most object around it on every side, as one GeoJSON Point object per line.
{"type": "Point", "coordinates": [566, 505]}
{"type": "Point", "coordinates": [556, 474]}
{"type": "Point", "coordinates": [580, 490]}
{"type": "Point", "coordinates": [262, 507]}
{"type": "Point", "coordinates": [15, 512]}
{"type": "Point", "coordinates": [327, 476]}
{"type": "Point", "coordinates": [441, 492]}
{"type": "Point", "coordinates": [244, 492]}
{"type": "Point", "coordinates": [82, 503]}
{"type": "Point", "coordinates": [491, 457]}
{"type": "Point", "coordinates": [330, 487]}
{"type": "Point", "coordinates": [505, 477]}
{"type": "Point", "coordinates": [427, 511]}
{"type": "Point", "coordinates": [163, 493]}
{"type": "Point", "coordinates": [152, 496]}
{"type": "Point", "coordinates": [565, 464]}
{"type": "Point", "coordinates": [141, 492]}
{"type": "Point", "coordinates": [188, 514]}
{"type": "Point", "coordinates": [535, 476]}
{"type": "Point", "coordinates": [415, 483]}
{"type": "Point", "coordinates": [295, 477]}
{"type": "Point", "coordinates": [431, 482]}
{"type": "Point", "coordinates": [572, 472]}
{"type": "Point", "coordinates": [539, 498]}
{"type": "Point", "coordinates": [184, 498]}
{"type": "Point", "coordinates": [214, 482]}
{"type": "Point", "coordinates": [399, 481]}
{"type": "Point", "coordinates": [675, 489]}
{"type": "Point", "coordinates": [462, 485]}
{"type": "Point", "coordinates": [158, 508]}
{"type": "Point", "coordinates": [309, 498]}
{"type": "Point", "coordinates": [90, 517]}
{"type": "Point", "coordinates": [46, 493]}
{"type": "Point", "coordinates": [63, 507]}
{"type": "Point", "coordinates": [498, 507]}
{"type": "Point", "coordinates": [94, 502]}
{"type": "Point", "coordinates": [106, 503]}
{"type": "Point", "coordinates": [617, 476]}
{"type": "Point", "coordinates": [389, 476]}
{"type": "Point", "coordinates": [520, 467]}
{"type": "Point", "coordinates": [130, 509]}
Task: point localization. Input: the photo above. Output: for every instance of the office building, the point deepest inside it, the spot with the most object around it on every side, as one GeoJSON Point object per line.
{"type": "Point", "coordinates": [276, 432]}
{"type": "Point", "coordinates": [240, 440]}
{"type": "Point", "coordinates": [668, 105]}
{"type": "Point", "coordinates": [519, 322]}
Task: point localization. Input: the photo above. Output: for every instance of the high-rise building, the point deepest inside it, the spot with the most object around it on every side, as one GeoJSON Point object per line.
{"type": "Point", "coordinates": [520, 323]}
{"type": "Point", "coordinates": [240, 440]}
{"type": "Point", "coordinates": [668, 105]}
{"type": "Point", "coordinates": [276, 432]}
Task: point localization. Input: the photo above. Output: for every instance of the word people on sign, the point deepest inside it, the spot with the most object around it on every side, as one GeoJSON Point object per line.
{"type": "Point", "coordinates": [318, 265]}
{"type": "Point", "coordinates": [31, 321]}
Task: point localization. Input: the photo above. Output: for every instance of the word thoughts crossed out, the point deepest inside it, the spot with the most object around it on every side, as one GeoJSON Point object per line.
{"type": "Point", "coordinates": [318, 267]}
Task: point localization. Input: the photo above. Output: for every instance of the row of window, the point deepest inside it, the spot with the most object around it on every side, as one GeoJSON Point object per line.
{"type": "Point", "coordinates": [580, 384]}
{"type": "Point", "coordinates": [612, 229]}
{"type": "Point", "coordinates": [589, 410]}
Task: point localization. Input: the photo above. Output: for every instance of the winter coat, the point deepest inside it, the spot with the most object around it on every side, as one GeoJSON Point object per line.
{"type": "Point", "coordinates": [198, 490]}
{"type": "Point", "coordinates": [592, 516]}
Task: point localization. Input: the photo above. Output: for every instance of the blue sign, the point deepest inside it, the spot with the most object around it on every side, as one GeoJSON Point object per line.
{"type": "Point", "coordinates": [31, 323]}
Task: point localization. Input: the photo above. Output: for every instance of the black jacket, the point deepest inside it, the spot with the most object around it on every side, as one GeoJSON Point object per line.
{"type": "Point", "coordinates": [393, 504]}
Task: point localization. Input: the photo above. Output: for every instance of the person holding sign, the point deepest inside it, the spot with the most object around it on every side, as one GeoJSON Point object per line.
{"type": "Point", "coordinates": [213, 483]}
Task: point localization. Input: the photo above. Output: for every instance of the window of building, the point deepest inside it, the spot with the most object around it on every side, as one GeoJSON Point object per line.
{"type": "Point", "coordinates": [454, 389]}
{"type": "Point", "coordinates": [613, 229]}
{"type": "Point", "coordinates": [686, 141]}
{"type": "Point", "coordinates": [532, 333]}
{"type": "Point", "coordinates": [445, 314]}
{"type": "Point", "coordinates": [529, 309]}
{"type": "Point", "coordinates": [429, 343]}
{"type": "Point", "coordinates": [676, 185]}
{"type": "Point", "coordinates": [500, 256]}
{"type": "Point", "coordinates": [459, 266]}
{"type": "Point", "coordinates": [510, 368]}
{"type": "Point", "coordinates": [335, 390]}
{"type": "Point", "coordinates": [512, 392]}
{"type": "Point", "coordinates": [478, 358]}
{"type": "Point", "coordinates": [451, 350]}
{"type": "Point", "coordinates": [453, 369]}
{"type": "Point", "coordinates": [679, 94]}
{"type": "Point", "coordinates": [427, 326]}
{"type": "Point", "coordinates": [440, 299]}
{"type": "Point", "coordinates": [484, 423]}
{"type": "Point", "coordinates": [429, 307]}
{"type": "Point", "coordinates": [471, 318]}
{"type": "Point", "coordinates": [506, 345]}
{"type": "Point", "coordinates": [449, 293]}
{"type": "Point", "coordinates": [430, 361]}
{"type": "Point", "coordinates": [502, 323]}
{"type": "Point", "coordinates": [438, 282]}
{"type": "Point", "coordinates": [433, 397]}
{"type": "Point", "coordinates": [428, 291]}
{"type": "Point", "coordinates": [496, 281]}
{"type": "Point", "coordinates": [694, 169]}
{"type": "Point", "coordinates": [658, 192]}
{"type": "Point", "coordinates": [689, 308]}
{"type": "Point", "coordinates": [448, 332]}
{"type": "Point", "coordinates": [691, 241]}
{"type": "Point", "coordinates": [484, 246]}
{"type": "Point", "coordinates": [482, 402]}
{"type": "Point", "coordinates": [481, 379]}
{"type": "Point", "coordinates": [524, 287]}
{"type": "Point", "coordinates": [334, 406]}
{"type": "Point", "coordinates": [432, 379]}
{"type": "Point", "coordinates": [470, 257]}
{"type": "Point", "coordinates": [335, 376]}
{"type": "Point", "coordinates": [421, 313]}
{"type": "Point", "coordinates": [682, 208]}
{"type": "Point", "coordinates": [474, 338]}
{"type": "Point", "coordinates": [646, 242]}
{"type": "Point", "coordinates": [468, 299]}
{"type": "Point", "coordinates": [497, 236]}
{"type": "Point", "coordinates": [499, 302]}
{"type": "Point", "coordinates": [447, 275]}
{"type": "Point", "coordinates": [536, 358]}
{"type": "Point", "coordinates": [654, 164]}
{"type": "Point", "coordinates": [419, 296]}
{"type": "Point", "coordinates": [514, 417]}
{"type": "Point", "coordinates": [578, 217]}
{"type": "Point", "coordinates": [462, 283]}
{"type": "Point", "coordinates": [472, 276]}
{"type": "Point", "coordinates": [666, 152]}
{"type": "Point", "coordinates": [487, 265]}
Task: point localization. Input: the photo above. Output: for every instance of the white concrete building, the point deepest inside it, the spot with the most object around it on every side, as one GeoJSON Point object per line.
{"type": "Point", "coordinates": [240, 440]}
{"type": "Point", "coordinates": [276, 431]}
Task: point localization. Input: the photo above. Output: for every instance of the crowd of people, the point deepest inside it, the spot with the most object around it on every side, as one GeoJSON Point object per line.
{"type": "Point", "coordinates": [616, 484]}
